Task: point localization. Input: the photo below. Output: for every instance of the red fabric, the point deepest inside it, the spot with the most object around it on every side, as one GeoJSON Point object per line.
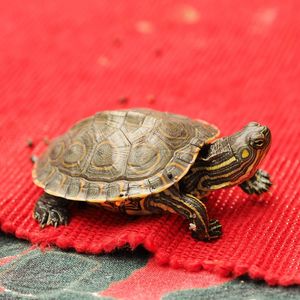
{"type": "Point", "coordinates": [228, 62]}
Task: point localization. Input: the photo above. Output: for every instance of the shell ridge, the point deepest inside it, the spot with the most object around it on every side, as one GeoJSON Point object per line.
{"type": "Point", "coordinates": [94, 148]}
{"type": "Point", "coordinates": [146, 157]}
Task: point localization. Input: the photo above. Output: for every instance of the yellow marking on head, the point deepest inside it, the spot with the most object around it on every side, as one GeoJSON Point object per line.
{"type": "Point", "coordinates": [222, 164]}
{"type": "Point", "coordinates": [240, 179]}
{"type": "Point", "coordinates": [245, 153]}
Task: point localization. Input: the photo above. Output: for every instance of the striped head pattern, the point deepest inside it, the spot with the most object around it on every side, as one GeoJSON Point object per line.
{"type": "Point", "coordinates": [234, 159]}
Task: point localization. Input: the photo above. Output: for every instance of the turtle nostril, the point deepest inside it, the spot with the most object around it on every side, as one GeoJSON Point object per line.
{"type": "Point", "coordinates": [253, 124]}
{"type": "Point", "coordinates": [266, 131]}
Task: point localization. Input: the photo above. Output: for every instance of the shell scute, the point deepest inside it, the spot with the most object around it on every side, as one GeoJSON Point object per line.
{"type": "Point", "coordinates": [115, 155]}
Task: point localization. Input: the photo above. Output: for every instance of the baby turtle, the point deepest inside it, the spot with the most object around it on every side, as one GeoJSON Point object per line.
{"type": "Point", "coordinates": [142, 162]}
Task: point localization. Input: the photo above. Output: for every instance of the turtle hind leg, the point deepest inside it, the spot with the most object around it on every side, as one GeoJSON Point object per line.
{"type": "Point", "coordinates": [189, 207]}
{"type": "Point", "coordinates": [51, 210]}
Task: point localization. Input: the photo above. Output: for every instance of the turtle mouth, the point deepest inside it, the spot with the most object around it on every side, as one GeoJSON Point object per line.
{"type": "Point", "coordinates": [266, 131]}
{"type": "Point", "coordinates": [267, 136]}
{"type": "Point", "coordinates": [261, 153]}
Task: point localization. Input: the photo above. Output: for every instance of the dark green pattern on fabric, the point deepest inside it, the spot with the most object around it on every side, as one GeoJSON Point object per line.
{"type": "Point", "coordinates": [239, 289]}
{"type": "Point", "coordinates": [55, 274]}
{"type": "Point", "coordinates": [29, 273]}
{"type": "Point", "coordinates": [10, 246]}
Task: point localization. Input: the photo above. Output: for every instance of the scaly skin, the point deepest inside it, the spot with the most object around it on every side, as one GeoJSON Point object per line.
{"type": "Point", "coordinates": [226, 162]}
{"type": "Point", "coordinates": [51, 210]}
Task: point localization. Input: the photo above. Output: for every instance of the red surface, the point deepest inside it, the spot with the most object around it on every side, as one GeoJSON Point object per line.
{"type": "Point", "coordinates": [228, 62]}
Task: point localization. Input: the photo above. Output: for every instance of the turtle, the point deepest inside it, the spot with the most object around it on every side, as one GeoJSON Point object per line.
{"type": "Point", "coordinates": [143, 161]}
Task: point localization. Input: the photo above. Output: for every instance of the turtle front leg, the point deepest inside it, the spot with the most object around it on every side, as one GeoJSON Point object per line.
{"type": "Point", "coordinates": [257, 184]}
{"type": "Point", "coordinates": [190, 208]}
{"type": "Point", "coordinates": [51, 210]}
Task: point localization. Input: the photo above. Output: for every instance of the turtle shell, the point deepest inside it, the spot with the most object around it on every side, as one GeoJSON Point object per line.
{"type": "Point", "coordinates": [115, 155]}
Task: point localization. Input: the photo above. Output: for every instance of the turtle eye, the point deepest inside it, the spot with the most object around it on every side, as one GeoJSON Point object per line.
{"type": "Point", "coordinates": [258, 143]}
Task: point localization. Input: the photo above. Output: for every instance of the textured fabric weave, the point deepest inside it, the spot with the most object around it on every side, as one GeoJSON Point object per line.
{"type": "Point", "coordinates": [28, 273]}
{"type": "Point", "coordinates": [228, 62]}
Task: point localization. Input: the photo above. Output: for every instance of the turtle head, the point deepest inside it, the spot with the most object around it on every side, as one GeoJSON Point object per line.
{"type": "Point", "coordinates": [249, 147]}
{"type": "Point", "coordinates": [234, 159]}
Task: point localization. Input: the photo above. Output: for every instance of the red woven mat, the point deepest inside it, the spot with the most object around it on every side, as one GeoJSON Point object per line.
{"type": "Point", "coordinates": [228, 62]}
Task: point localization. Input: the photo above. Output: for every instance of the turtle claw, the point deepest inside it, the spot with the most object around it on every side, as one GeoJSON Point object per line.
{"type": "Point", "coordinates": [214, 229]}
{"type": "Point", "coordinates": [51, 211]}
{"type": "Point", "coordinates": [257, 184]}
{"type": "Point", "coordinates": [41, 216]}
